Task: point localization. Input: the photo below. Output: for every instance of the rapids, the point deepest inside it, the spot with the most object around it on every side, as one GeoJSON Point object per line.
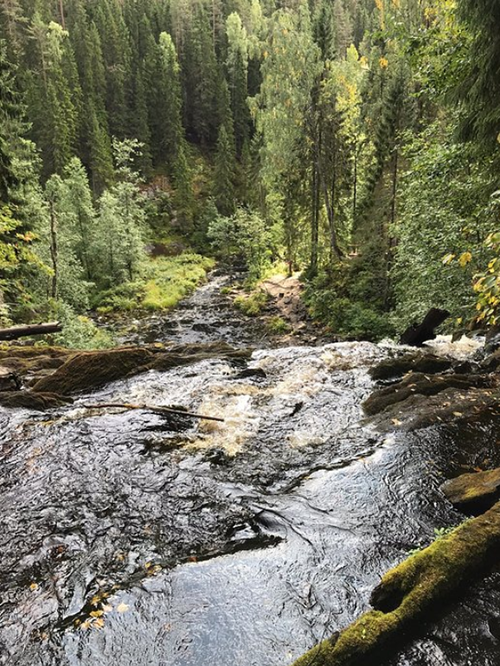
{"type": "Point", "coordinates": [128, 540]}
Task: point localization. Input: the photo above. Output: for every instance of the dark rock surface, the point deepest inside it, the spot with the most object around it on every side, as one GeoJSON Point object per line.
{"type": "Point", "coordinates": [473, 492]}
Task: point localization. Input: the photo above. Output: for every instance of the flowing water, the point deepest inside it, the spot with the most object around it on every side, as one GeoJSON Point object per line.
{"type": "Point", "coordinates": [129, 539]}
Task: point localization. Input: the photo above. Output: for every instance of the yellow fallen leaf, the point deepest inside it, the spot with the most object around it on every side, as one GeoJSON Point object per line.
{"type": "Point", "coordinates": [99, 623]}
{"type": "Point", "coordinates": [457, 414]}
{"type": "Point", "coordinates": [33, 587]}
{"type": "Point", "coordinates": [97, 613]}
{"type": "Point", "coordinates": [85, 625]}
{"type": "Point", "coordinates": [397, 422]}
{"type": "Point", "coordinates": [122, 608]}
{"type": "Point", "coordinates": [96, 600]}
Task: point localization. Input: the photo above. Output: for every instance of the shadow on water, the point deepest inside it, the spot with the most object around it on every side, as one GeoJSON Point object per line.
{"type": "Point", "coordinates": [126, 539]}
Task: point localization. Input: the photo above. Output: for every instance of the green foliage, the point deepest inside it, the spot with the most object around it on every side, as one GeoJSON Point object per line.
{"type": "Point", "coordinates": [253, 304]}
{"type": "Point", "coordinates": [244, 237]}
{"type": "Point", "coordinates": [444, 194]}
{"type": "Point", "coordinates": [336, 299]}
{"type": "Point", "coordinates": [79, 332]}
{"type": "Point", "coordinates": [278, 326]}
{"type": "Point", "coordinates": [162, 283]}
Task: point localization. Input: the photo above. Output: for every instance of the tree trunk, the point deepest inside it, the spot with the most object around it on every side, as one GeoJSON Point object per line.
{"type": "Point", "coordinates": [33, 329]}
{"type": "Point", "coordinates": [314, 222]}
{"type": "Point", "coordinates": [53, 249]}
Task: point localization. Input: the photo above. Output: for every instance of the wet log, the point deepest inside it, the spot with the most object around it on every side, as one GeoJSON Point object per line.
{"type": "Point", "coordinates": [409, 593]}
{"type": "Point", "coordinates": [416, 334]}
{"type": "Point", "coordinates": [157, 409]}
{"type": "Point", "coordinates": [16, 332]}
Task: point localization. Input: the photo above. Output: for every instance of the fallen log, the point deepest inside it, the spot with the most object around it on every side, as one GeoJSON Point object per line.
{"type": "Point", "coordinates": [15, 332]}
{"type": "Point", "coordinates": [409, 592]}
{"type": "Point", "coordinates": [157, 409]}
{"type": "Point", "coordinates": [416, 334]}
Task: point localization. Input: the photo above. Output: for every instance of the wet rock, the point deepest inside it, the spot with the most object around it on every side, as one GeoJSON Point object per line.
{"type": "Point", "coordinates": [251, 372]}
{"type": "Point", "coordinates": [473, 492]}
{"type": "Point", "coordinates": [491, 362]}
{"type": "Point", "coordinates": [420, 384]}
{"type": "Point", "coordinates": [9, 381]}
{"type": "Point", "coordinates": [451, 405]}
{"type": "Point", "coordinates": [216, 456]}
{"type": "Point", "coordinates": [412, 590]}
{"type": "Point", "coordinates": [89, 370]}
{"type": "Point", "coordinates": [32, 400]}
{"type": "Point", "coordinates": [397, 367]}
{"type": "Point", "coordinates": [202, 328]}
{"type": "Point", "coordinates": [416, 334]}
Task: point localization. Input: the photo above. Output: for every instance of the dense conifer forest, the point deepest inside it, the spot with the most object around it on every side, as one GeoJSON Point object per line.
{"type": "Point", "coordinates": [356, 141]}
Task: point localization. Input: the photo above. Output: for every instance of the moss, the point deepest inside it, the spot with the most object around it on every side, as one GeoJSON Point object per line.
{"type": "Point", "coordinates": [473, 491]}
{"type": "Point", "coordinates": [88, 370]}
{"type": "Point", "coordinates": [409, 592]}
{"type": "Point", "coordinates": [164, 281]}
{"type": "Point", "coordinates": [30, 400]}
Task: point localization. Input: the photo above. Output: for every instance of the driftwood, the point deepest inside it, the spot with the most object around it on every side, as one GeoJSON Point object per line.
{"type": "Point", "coordinates": [416, 334]}
{"type": "Point", "coordinates": [16, 332]}
{"type": "Point", "coordinates": [157, 409]}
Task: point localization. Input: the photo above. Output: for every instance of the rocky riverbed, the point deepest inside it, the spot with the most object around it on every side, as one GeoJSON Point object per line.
{"type": "Point", "coordinates": [129, 536]}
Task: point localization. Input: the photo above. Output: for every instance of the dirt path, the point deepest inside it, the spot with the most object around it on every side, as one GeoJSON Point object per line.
{"type": "Point", "coordinates": [286, 295]}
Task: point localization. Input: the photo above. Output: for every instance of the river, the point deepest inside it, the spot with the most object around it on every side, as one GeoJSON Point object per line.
{"type": "Point", "coordinates": [126, 539]}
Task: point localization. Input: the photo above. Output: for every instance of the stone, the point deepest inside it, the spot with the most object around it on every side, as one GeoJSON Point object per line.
{"type": "Point", "coordinates": [473, 492]}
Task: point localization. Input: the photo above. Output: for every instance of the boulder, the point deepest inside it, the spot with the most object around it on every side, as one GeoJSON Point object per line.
{"type": "Point", "coordinates": [397, 367]}
{"type": "Point", "coordinates": [473, 492]}
{"type": "Point", "coordinates": [416, 334]}
{"type": "Point", "coordinates": [419, 384]}
{"type": "Point", "coordinates": [88, 370]}
{"type": "Point", "coordinates": [31, 400]}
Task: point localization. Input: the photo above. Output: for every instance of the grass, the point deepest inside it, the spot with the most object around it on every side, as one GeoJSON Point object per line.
{"type": "Point", "coordinates": [253, 304]}
{"type": "Point", "coordinates": [278, 326]}
{"type": "Point", "coordinates": [163, 282]}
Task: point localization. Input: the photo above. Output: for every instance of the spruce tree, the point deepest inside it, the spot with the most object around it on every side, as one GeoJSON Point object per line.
{"type": "Point", "coordinates": [224, 190]}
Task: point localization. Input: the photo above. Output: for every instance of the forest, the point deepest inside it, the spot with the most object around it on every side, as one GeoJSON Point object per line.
{"type": "Point", "coordinates": [355, 141]}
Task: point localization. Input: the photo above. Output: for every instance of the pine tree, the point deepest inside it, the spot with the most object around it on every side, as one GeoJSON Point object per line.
{"type": "Point", "coordinates": [479, 89]}
{"type": "Point", "coordinates": [224, 190]}
{"type": "Point", "coordinates": [54, 95]}
{"type": "Point", "coordinates": [237, 68]}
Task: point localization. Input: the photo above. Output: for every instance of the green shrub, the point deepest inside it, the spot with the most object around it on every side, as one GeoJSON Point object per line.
{"type": "Point", "coordinates": [253, 304]}
{"type": "Point", "coordinates": [278, 326]}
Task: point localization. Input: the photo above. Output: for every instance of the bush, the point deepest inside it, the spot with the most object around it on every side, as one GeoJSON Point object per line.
{"type": "Point", "coordinates": [278, 326]}
{"type": "Point", "coordinates": [253, 304]}
{"type": "Point", "coordinates": [79, 332]}
{"type": "Point", "coordinates": [329, 301]}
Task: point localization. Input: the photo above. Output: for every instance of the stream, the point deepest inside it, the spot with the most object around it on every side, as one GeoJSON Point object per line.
{"type": "Point", "coordinates": [130, 540]}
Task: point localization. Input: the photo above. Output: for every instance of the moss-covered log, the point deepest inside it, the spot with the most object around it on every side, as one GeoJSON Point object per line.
{"type": "Point", "coordinates": [410, 591]}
